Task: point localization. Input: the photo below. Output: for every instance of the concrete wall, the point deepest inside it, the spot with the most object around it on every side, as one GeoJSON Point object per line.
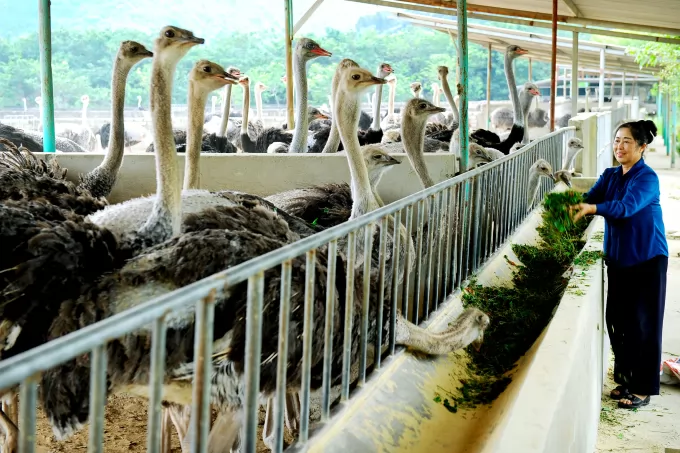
{"type": "Point", "coordinates": [260, 174]}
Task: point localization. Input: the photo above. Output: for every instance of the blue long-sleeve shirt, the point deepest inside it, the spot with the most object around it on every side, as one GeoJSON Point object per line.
{"type": "Point", "coordinates": [634, 230]}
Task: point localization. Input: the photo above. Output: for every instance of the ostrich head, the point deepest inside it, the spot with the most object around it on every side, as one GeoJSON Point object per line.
{"type": "Point", "coordinates": [575, 144]}
{"type": "Point", "coordinates": [357, 80]}
{"type": "Point", "coordinates": [236, 72]}
{"type": "Point", "coordinates": [532, 89]}
{"type": "Point", "coordinates": [385, 70]}
{"type": "Point", "coordinates": [175, 42]}
{"type": "Point", "coordinates": [515, 51]}
{"type": "Point", "coordinates": [563, 176]}
{"type": "Point", "coordinates": [210, 76]}
{"type": "Point", "coordinates": [85, 99]}
{"type": "Point", "coordinates": [478, 154]}
{"type": "Point", "coordinates": [133, 52]}
{"type": "Point", "coordinates": [284, 78]}
{"type": "Point", "coordinates": [542, 168]}
{"type": "Point", "coordinates": [442, 72]}
{"type": "Point", "coordinates": [419, 110]}
{"type": "Point", "coordinates": [480, 321]}
{"type": "Point", "coordinates": [244, 81]}
{"type": "Point", "coordinates": [377, 160]}
{"type": "Point", "coordinates": [260, 87]}
{"type": "Point", "coordinates": [309, 49]}
{"type": "Point", "coordinates": [416, 88]}
{"type": "Point", "coordinates": [316, 114]}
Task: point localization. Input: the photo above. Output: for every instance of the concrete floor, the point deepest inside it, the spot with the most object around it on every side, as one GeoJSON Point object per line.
{"type": "Point", "coordinates": [656, 427]}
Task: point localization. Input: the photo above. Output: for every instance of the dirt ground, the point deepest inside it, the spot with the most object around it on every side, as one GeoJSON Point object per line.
{"type": "Point", "coordinates": [655, 427]}
{"type": "Point", "coordinates": [124, 430]}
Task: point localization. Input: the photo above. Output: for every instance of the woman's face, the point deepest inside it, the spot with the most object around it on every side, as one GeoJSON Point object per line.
{"type": "Point", "coordinates": [626, 149]}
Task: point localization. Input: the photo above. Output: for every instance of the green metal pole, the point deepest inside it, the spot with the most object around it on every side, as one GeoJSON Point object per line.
{"type": "Point", "coordinates": [45, 36]}
{"type": "Point", "coordinates": [461, 10]}
{"type": "Point", "coordinates": [669, 122]}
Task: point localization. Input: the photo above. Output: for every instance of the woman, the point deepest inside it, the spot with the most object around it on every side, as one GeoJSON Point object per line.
{"type": "Point", "coordinates": [636, 253]}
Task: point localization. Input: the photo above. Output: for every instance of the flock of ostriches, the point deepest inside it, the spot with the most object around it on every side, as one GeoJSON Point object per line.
{"type": "Point", "coordinates": [70, 259]}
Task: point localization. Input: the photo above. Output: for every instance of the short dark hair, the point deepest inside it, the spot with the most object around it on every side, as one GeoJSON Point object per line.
{"type": "Point", "coordinates": [643, 131]}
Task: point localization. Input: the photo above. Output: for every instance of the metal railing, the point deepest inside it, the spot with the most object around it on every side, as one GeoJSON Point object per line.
{"type": "Point", "coordinates": [469, 217]}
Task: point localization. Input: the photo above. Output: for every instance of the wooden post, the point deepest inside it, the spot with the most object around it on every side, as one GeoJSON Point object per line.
{"type": "Point", "coordinates": [488, 90]}
{"type": "Point", "coordinates": [574, 74]}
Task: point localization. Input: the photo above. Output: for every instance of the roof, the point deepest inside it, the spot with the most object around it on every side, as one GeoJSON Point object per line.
{"type": "Point", "coordinates": [539, 45]}
{"type": "Point", "coordinates": [652, 16]}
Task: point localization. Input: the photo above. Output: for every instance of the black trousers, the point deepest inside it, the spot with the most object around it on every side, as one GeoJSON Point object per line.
{"type": "Point", "coordinates": [635, 306]}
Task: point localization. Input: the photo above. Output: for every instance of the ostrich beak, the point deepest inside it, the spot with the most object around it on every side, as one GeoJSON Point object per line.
{"type": "Point", "coordinates": [321, 116]}
{"type": "Point", "coordinates": [378, 80]}
{"type": "Point", "coordinates": [146, 53]}
{"type": "Point", "coordinates": [437, 110]}
{"type": "Point", "coordinates": [192, 40]}
{"type": "Point", "coordinates": [321, 52]}
{"type": "Point", "coordinates": [477, 344]}
{"type": "Point", "coordinates": [521, 51]}
{"type": "Point", "coordinates": [552, 177]}
{"type": "Point", "coordinates": [389, 160]}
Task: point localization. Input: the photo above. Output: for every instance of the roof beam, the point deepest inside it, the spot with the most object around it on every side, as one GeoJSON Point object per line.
{"type": "Point", "coordinates": [573, 8]}
{"type": "Point", "coordinates": [445, 7]}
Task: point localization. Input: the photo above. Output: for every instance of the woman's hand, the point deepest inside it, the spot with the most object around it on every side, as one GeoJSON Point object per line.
{"type": "Point", "coordinates": [582, 209]}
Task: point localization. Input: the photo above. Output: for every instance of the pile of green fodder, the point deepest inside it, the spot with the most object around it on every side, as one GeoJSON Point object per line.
{"type": "Point", "coordinates": [519, 314]}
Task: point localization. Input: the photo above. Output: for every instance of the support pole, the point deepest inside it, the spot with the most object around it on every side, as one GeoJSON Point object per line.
{"type": "Point", "coordinates": [290, 109]}
{"type": "Point", "coordinates": [45, 36]}
{"type": "Point", "coordinates": [600, 97]}
{"type": "Point", "coordinates": [461, 11]}
{"type": "Point", "coordinates": [623, 88]}
{"type": "Point", "coordinates": [564, 84]}
{"type": "Point", "coordinates": [531, 77]}
{"type": "Point", "coordinates": [553, 66]}
{"type": "Point", "coordinates": [488, 90]}
{"type": "Point", "coordinates": [574, 74]}
{"type": "Point", "coordinates": [669, 122]}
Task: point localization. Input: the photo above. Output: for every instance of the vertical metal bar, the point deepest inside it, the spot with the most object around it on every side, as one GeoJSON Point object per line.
{"type": "Point", "coordinates": [28, 395]}
{"type": "Point", "coordinates": [282, 362]}
{"type": "Point", "coordinates": [158, 340]}
{"type": "Point", "coordinates": [433, 231]}
{"type": "Point", "coordinates": [307, 339]}
{"type": "Point", "coordinates": [476, 220]}
{"type": "Point", "coordinates": [328, 333]}
{"type": "Point", "coordinates": [46, 88]}
{"type": "Point", "coordinates": [419, 261]}
{"type": "Point", "coordinates": [442, 231]}
{"type": "Point", "coordinates": [574, 74]}
{"type": "Point", "coordinates": [384, 225]}
{"type": "Point", "coordinates": [365, 302]}
{"type": "Point", "coordinates": [564, 83]}
{"type": "Point", "coordinates": [290, 109]}
{"type": "Point", "coordinates": [349, 308]}
{"type": "Point", "coordinates": [396, 239]}
{"type": "Point", "coordinates": [531, 66]}
{"type": "Point", "coordinates": [461, 10]}
{"type": "Point", "coordinates": [449, 277]}
{"type": "Point", "coordinates": [97, 399]}
{"type": "Point", "coordinates": [673, 122]}
{"type": "Point", "coordinates": [553, 66]}
{"type": "Point", "coordinates": [253, 359]}
{"type": "Point", "coordinates": [488, 86]}
{"type": "Point", "coordinates": [407, 263]}
{"type": "Point", "coordinates": [460, 231]}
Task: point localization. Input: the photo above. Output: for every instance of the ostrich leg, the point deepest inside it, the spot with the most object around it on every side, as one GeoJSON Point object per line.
{"type": "Point", "coordinates": [166, 433]}
{"type": "Point", "coordinates": [291, 417]}
{"type": "Point", "coordinates": [9, 426]}
{"type": "Point", "coordinates": [224, 435]}
{"type": "Point", "coordinates": [179, 415]}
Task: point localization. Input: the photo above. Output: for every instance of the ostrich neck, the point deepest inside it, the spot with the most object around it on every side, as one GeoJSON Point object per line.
{"type": "Point", "coordinates": [390, 105]}
{"type": "Point", "coordinates": [196, 104]}
{"type": "Point", "coordinates": [512, 88]}
{"type": "Point", "coordinates": [83, 115]}
{"type": "Point", "coordinates": [167, 205]}
{"type": "Point", "coordinates": [449, 98]}
{"type": "Point", "coordinates": [246, 108]}
{"type": "Point", "coordinates": [258, 105]}
{"type": "Point", "coordinates": [376, 106]}
{"type": "Point", "coordinates": [299, 142]}
{"type": "Point", "coordinates": [534, 179]}
{"type": "Point", "coordinates": [225, 111]}
{"type": "Point", "coordinates": [114, 155]}
{"type": "Point", "coordinates": [413, 136]}
{"type": "Point", "coordinates": [525, 106]}
{"type": "Point", "coordinates": [347, 113]}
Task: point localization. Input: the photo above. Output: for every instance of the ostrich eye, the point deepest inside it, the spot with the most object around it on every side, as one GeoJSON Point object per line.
{"type": "Point", "coordinates": [423, 106]}
{"type": "Point", "coordinates": [376, 156]}
{"type": "Point", "coordinates": [356, 77]}
{"type": "Point", "coordinates": [206, 68]}
{"type": "Point", "coordinates": [169, 34]}
{"type": "Point", "coordinates": [135, 49]}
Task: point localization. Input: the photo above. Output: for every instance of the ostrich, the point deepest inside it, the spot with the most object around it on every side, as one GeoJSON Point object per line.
{"type": "Point", "coordinates": [564, 175]}
{"type": "Point", "coordinates": [246, 232]}
{"type": "Point", "coordinates": [305, 50]}
{"type": "Point", "coordinates": [78, 251]}
{"type": "Point", "coordinates": [19, 182]}
{"type": "Point", "coordinates": [374, 133]}
{"type": "Point", "coordinates": [226, 103]}
{"type": "Point", "coordinates": [491, 140]}
{"type": "Point", "coordinates": [79, 133]}
{"type": "Point", "coordinates": [204, 78]}
{"type": "Point", "coordinates": [416, 89]}
{"type": "Point", "coordinates": [540, 168]}
{"type": "Point", "coordinates": [390, 120]}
